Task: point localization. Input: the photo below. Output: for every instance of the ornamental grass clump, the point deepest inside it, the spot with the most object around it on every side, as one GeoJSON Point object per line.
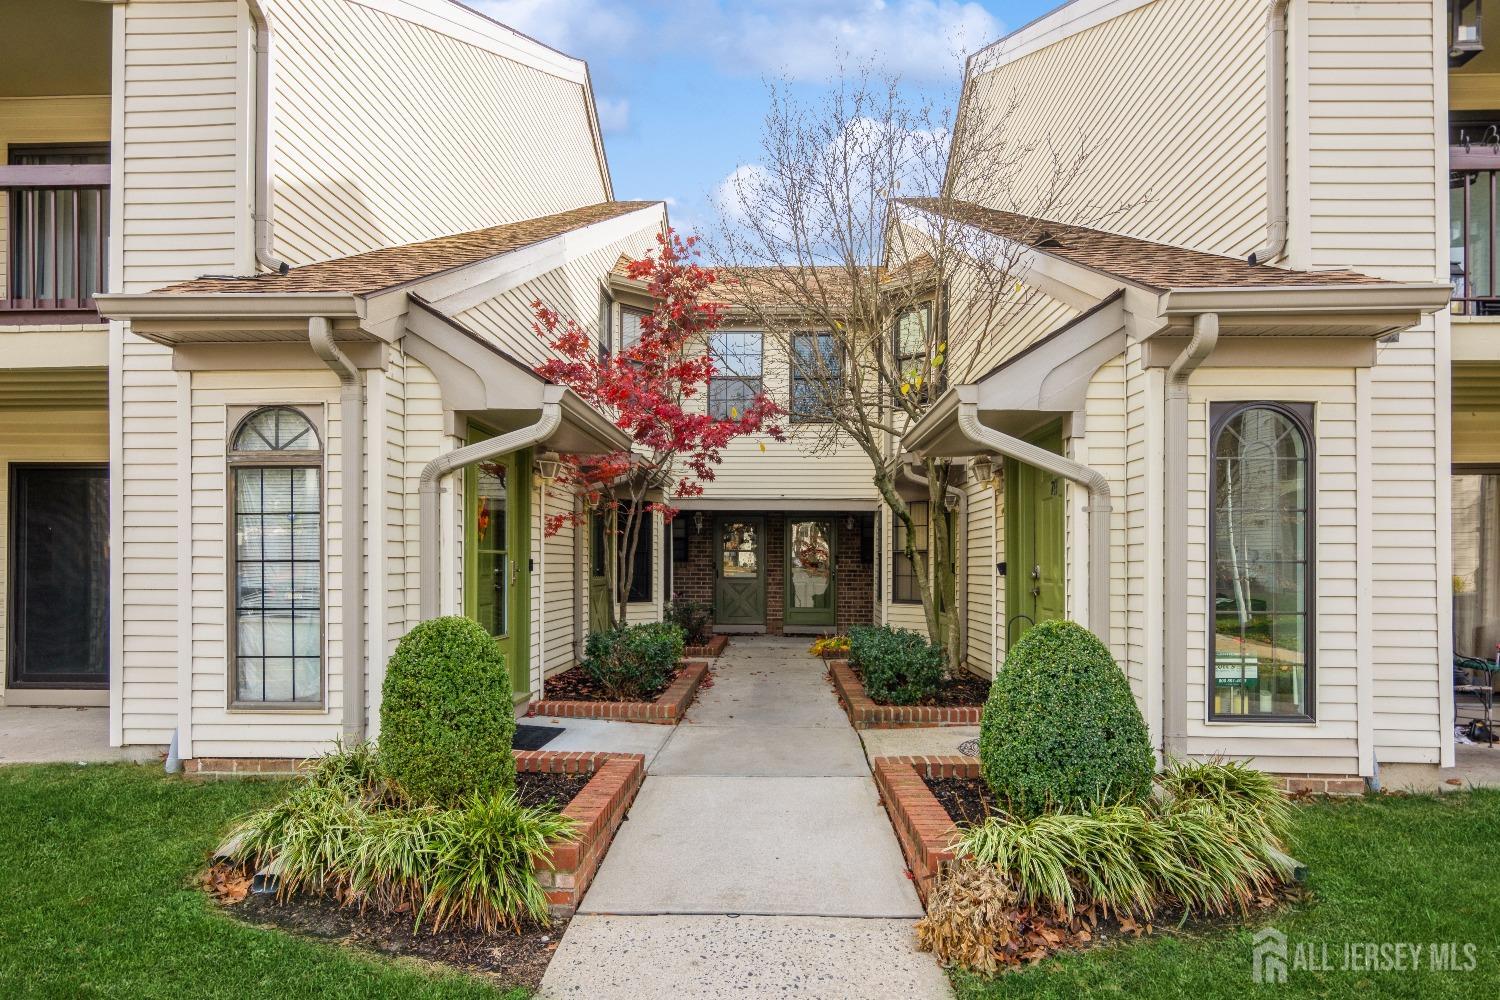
{"type": "Point", "coordinates": [897, 666]}
{"type": "Point", "coordinates": [632, 661]}
{"type": "Point", "coordinates": [346, 833]}
{"type": "Point", "coordinates": [1061, 730]}
{"type": "Point", "coordinates": [447, 723]}
{"type": "Point", "coordinates": [1209, 841]}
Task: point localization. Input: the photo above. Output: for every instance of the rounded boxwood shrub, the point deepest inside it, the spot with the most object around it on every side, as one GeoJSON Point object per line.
{"type": "Point", "coordinates": [1060, 729]}
{"type": "Point", "coordinates": [446, 719]}
{"type": "Point", "coordinates": [898, 666]}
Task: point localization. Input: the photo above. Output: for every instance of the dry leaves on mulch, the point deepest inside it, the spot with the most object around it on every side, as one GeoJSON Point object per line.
{"type": "Point", "coordinates": [227, 885]}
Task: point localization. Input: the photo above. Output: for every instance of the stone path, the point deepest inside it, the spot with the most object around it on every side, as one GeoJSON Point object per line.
{"type": "Point", "coordinates": [756, 860]}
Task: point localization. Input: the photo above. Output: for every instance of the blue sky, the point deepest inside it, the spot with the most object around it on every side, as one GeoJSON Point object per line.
{"type": "Point", "coordinates": [680, 83]}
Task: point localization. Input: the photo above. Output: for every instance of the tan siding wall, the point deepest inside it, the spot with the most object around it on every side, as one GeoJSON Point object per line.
{"type": "Point", "coordinates": [45, 120]}
{"type": "Point", "coordinates": [1170, 99]}
{"type": "Point", "coordinates": [982, 581]}
{"type": "Point", "coordinates": [41, 436]}
{"type": "Point", "coordinates": [1376, 155]}
{"type": "Point", "coordinates": [397, 133]}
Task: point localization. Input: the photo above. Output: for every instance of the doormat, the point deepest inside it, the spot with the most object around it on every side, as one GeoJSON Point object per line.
{"type": "Point", "coordinates": [536, 737]}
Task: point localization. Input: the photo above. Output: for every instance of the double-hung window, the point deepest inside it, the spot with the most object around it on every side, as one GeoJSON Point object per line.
{"type": "Point", "coordinates": [816, 375]}
{"type": "Point", "coordinates": [276, 472]}
{"type": "Point", "coordinates": [905, 588]}
{"type": "Point", "coordinates": [630, 326]}
{"type": "Point", "coordinates": [913, 340]}
{"type": "Point", "coordinates": [640, 573]}
{"type": "Point", "coordinates": [737, 372]}
{"type": "Point", "coordinates": [1262, 546]}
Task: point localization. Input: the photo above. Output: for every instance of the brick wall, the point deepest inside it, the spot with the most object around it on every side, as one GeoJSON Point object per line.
{"type": "Point", "coordinates": [693, 579]}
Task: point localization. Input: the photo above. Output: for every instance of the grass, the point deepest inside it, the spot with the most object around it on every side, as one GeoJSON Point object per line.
{"type": "Point", "coordinates": [96, 899]}
{"type": "Point", "coordinates": [1390, 869]}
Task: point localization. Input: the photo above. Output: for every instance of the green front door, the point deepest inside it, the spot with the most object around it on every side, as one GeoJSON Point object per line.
{"type": "Point", "coordinates": [740, 573]}
{"type": "Point", "coordinates": [600, 599]}
{"type": "Point", "coordinates": [1035, 581]}
{"type": "Point", "coordinates": [497, 556]}
{"type": "Point", "coordinates": [810, 583]}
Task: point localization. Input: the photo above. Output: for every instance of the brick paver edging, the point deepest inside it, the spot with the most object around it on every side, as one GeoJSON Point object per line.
{"type": "Point", "coordinates": [713, 647]}
{"type": "Point", "coordinates": [666, 710]}
{"type": "Point", "coordinates": [598, 809]}
{"type": "Point", "coordinates": [923, 826]}
{"type": "Point", "coordinates": [865, 714]}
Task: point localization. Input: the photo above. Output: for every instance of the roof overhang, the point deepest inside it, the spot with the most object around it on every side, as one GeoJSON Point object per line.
{"type": "Point", "coordinates": [487, 385]}
{"type": "Point", "coordinates": [173, 319]}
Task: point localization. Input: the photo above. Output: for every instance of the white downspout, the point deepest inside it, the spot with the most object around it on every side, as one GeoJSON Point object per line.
{"type": "Point", "coordinates": [1276, 169]}
{"type": "Point", "coordinates": [541, 606]}
{"type": "Point", "coordinates": [1175, 547]}
{"type": "Point", "coordinates": [260, 213]}
{"type": "Point", "coordinates": [1098, 507]}
{"type": "Point", "coordinates": [351, 532]}
{"type": "Point", "coordinates": [430, 482]}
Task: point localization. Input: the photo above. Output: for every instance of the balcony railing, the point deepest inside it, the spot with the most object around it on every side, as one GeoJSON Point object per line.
{"type": "Point", "coordinates": [57, 247]}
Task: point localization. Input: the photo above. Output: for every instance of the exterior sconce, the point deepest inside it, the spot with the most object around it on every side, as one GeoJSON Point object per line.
{"type": "Point", "coordinates": [849, 522]}
{"type": "Point", "coordinates": [982, 469]}
{"type": "Point", "coordinates": [1465, 31]}
{"type": "Point", "coordinates": [548, 467]}
{"type": "Point", "coordinates": [697, 522]}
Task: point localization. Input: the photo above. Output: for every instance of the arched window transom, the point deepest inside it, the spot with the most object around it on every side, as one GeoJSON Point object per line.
{"type": "Point", "coordinates": [276, 428]}
{"type": "Point", "coordinates": [1263, 570]}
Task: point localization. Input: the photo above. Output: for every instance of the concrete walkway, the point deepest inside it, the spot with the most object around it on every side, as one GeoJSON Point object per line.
{"type": "Point", "coordinates": [756, 861]}
{"type": "Point", "coordinates": [63, 735]}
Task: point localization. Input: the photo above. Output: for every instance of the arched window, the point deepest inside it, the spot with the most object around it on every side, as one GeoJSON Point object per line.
{"type": "Point", "coordinates": [276, 611]}
{"type": "Point", "coordinates": [1261, 553]}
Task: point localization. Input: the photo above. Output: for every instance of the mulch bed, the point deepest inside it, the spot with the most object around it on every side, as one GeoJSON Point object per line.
{"type": "Point", "coordinates": [536, 788]}
{"type": "Point", "coordinates": [963, 690]}
{"type": "Point", "coordinates": [575, 684]}
{"type": "Point", "coordinates": [969, 801]}
{"type": "Point", "coordinates": [513, 959]}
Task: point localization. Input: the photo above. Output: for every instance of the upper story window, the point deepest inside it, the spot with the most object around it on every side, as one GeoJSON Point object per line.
{"type": "Point", "coordinates": [276, 473]}
{"type": "Point", "coordinates": [630, 326]}
{"type": "Point", "coordinates": [1261, 557]}
{"type": "Point", "coordinates": [57, 238]}
{"type": "Point", "coordinates": [816, 371]}
{"type": "Point", "coordinates": [737, 356]}
{"type": "Point", "coordinates": [604, 327]}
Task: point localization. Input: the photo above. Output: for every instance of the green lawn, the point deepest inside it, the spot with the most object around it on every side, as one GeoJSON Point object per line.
{"type": "Point", "coordinates": [1382, 869]}
{"type": "Point", "coordinates": [96, 899]}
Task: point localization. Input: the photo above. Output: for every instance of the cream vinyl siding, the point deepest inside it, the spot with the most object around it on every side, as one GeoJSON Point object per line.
{"type": "Point", "coordinates": [1141, 506]}
{"type": "Point", "coordinates": [40, 436]}
{"type": "Point", "coordinates": [1376, 200]}
{"type": "Point", "coordinates": [983, 583]}
{"type": "Point", "coordinates": [1104, 447]}
{"type": "Point", "coordinates": [574, 290]}
{"type": "Point", "coordinates": [1169, 100]}
{"type": "Point", "coordinates": [387, 132]}
{"type": "Point", "coordinates": [29, 120]}
{"type": "Point", "coordinates": [555, 561]}
{"type": "Point", "coordinates": [218, 731]}
{"type": "Point", "coordinates": [184, 125]}
{"type": "Point", "coordinates": [1329, 745]}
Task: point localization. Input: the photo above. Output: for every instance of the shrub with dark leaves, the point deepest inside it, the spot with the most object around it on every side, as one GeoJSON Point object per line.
{"type": "Point", "coordinates": [899, 667]}
{"type": "Point", "coordinates": [631, 661]}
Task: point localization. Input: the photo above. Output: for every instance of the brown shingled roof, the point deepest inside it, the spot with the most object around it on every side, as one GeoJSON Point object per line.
{"type": "Point", "coordinates": [1159, 266]}
{"type": "Point", "coordinates": [366, 273]}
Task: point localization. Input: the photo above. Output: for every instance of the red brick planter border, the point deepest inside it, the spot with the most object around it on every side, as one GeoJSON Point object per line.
{"type": "Point", "coordinates": [923, 826]}
{"type": "Point", "coordinates": [865, 714]}
{"type": "Point", "coordinates": [666, 710]}
{"type": "Point", "coordinates": [713, 648]}
{"type": "Point", "coordinates": [598, 809]}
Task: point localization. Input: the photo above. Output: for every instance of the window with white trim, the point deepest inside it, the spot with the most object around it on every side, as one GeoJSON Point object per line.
{"type": "Point", "coordinates": [276, 606]}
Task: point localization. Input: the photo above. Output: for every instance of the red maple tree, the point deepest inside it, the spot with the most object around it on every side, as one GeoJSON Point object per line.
{"type": "Point", "coordinates": [655, 390]}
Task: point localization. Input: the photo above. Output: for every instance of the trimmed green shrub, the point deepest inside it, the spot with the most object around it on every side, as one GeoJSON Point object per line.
{"type": "Point", "coordinates": [1209, 842]}
{"type": "Point", "coordinates": [899, 667]}
{"type": "Point", "coordinates": [632, 661]}
{"type": "Point", "coordinates": [447, 722]}
{"type": "Point", "coordinates": [470, 864]}
{"type": "Point", "coordinates": [695, 618]}
{"type": "Point", "coordinates": [1060, 729]}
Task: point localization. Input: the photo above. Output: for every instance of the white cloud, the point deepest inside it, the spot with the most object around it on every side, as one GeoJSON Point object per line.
{"type": "Point", "coordinates": [614, 113]}
{"type": "Point", "coordinates": [920, 40]}
{"type": "Point", "coordinates": [736, 191]}
{"type": "Point", "coordinates": [582, 28]}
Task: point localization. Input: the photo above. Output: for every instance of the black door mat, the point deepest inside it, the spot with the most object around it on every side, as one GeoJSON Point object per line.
{"type": "Point", "coordinates": [536, 737]}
